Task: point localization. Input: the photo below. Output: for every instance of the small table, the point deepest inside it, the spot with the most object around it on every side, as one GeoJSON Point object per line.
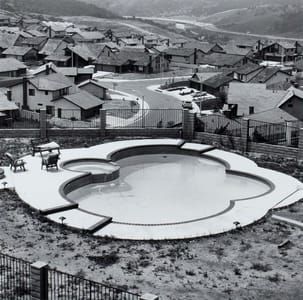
{"type": "Point", "coordinates": [48, 147]}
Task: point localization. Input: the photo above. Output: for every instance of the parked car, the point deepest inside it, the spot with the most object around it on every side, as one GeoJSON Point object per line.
{"type": "Point", "coordinates": [199, 94]}
{"type": "Point", "coordinates": [186, 91]}
{"type": "Point", "coordinates": [187, 104]}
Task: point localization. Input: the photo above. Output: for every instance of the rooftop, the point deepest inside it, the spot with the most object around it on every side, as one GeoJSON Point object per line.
{"type": "Point", "coordinates": [253, 94]}
{"type": "Point", "coordinates": [10, 64]}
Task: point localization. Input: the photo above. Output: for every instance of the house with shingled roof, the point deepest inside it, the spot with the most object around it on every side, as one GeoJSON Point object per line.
{"type": "Point", "coordinates": [246, 72]}
{"type": "Point", "coordinates": [184, 55]}
{"type": "Point", "coordinates": [252, 98]}
{"type": "Point", "coordinates": [292, 103]}
{"type": "Point", "coordinates": [24, 54]}
{"type": "Point", "coordinates": [57, 94]}
{"type": "Point", "coordinates": [223, 60]}
{"type": "Point", "coordinates": [11, 67]}
{"type": "Point", "coordinates": [279, 51]}
{"type": "Point", "coordinates": [270, 76]}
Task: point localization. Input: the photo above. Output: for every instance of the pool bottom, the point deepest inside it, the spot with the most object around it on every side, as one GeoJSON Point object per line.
{"type": "Point", "coordinates": [167, 188]}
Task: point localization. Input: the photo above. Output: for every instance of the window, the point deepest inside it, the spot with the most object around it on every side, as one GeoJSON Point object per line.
{"type": "Point", "coordinates": [46, 92]}
{"type": "Point", "coordinates": [251, 110]}
{"type": "Point", "coordinates": [31, 92]}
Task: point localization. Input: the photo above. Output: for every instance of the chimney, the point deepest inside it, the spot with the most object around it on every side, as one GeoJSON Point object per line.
{"type": "Point", "coordinates": [9, 95]}
{"type": "Point", "coordinates": [25, 105]}
{"type": "Point", "coordinates": [47, 69]}
{"type": "Point", "coordinates": [195, 56]}
{"type": "Point", "coordinates": [50, 32]}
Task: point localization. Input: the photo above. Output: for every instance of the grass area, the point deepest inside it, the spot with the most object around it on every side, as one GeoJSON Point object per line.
{"type": "Point", "coordinates": [241, 264]}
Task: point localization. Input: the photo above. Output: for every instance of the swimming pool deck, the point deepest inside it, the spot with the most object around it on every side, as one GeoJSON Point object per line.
{"type": "Point", "coordinates": [40, 189]}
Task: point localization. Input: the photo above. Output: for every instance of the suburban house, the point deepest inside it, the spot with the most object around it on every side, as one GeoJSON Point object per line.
{"type": "Point", "coordinates": [81, 55]}
{"type": "Point", "coordinates": [24, 54]}
{"type": "Point", "coordinates": [232, 49]}
{"type": "Point", "coordinates": [94, 88]}
{"type": "Point", "coordinates": [11, 67]}
{"type": "Point", "coordinates": [150, 41]}
{"type": "Point", "coordinates": [4, 20]}
{"type": "Point", "coordinates": [57, 94]}
{"type": "Point", "coordinates": [196, 81]}
{"type": "Point", "coordinates": [246, 72]}
{"type": "Point", "coordinates": [132, 61]}
{"type": "Point", "coordinates": [129, 42]}
{"type": "Point", "coordinates": [223, 60]}
{"type": "Point", "coordinates": [217, 85]}
{"type": "Point", "coordinates": [53, 46]}
{"type": "Point", "coordinates": [251, 98]}
{"type": "Point", "coordinates": [184, 55]}
{"type": "Point", "coordinates": [59, 59]}
{"type": "Point", "coordinates": [8, 108]}
{"type": "Point", "coordinates": [7, 40]}
{"type": "Point", "coordinates": [270, 76]}
{"type": "Point", "coordinates": [279, 51]}
{"type": "Point", "coordinates": [77, 75]}
{"type": "Point", "coordinates": [292, 103]}
{"type": "Point", "coordinates": [89, 37]}
{"type": "Point", "coordinates": [35, 42]}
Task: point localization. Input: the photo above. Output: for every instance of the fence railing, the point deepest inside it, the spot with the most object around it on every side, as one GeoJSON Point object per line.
{"type": "Point", "coordinates": [65, 286]}
{"type": "Point", "coordinates": [284, 133]}
{"type": "Point", "coordinates": [14, 278]}
{"type": "Point", "coordinates": [144, 118]}
{"type": "Point", "coordinates": [18, 282]}
{"type": "Point", "coordinates": [220, 125]}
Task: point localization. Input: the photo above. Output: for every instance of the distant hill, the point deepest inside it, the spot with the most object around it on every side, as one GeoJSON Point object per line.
{"type": "Point", "coordinates": [270, 19]}
{"type": "Point", "coordinates": [56, 8]}
{"type": "Point", "coordinates": [195, 8]}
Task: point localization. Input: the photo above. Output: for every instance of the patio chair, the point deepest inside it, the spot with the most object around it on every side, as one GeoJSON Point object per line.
{"type": "Point", "coordinates": [50, 161]}
{"type": "Point", "coordinates": [15, 162]}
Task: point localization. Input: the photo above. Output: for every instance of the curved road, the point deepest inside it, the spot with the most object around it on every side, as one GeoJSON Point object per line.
{"type": "Point", "coordinates": [157, 101]}
{"type": "Point", "coordinates": [212, 27]}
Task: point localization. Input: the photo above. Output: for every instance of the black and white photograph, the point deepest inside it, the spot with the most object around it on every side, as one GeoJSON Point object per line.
{"type": "Point", "coordinates": [151, 149]}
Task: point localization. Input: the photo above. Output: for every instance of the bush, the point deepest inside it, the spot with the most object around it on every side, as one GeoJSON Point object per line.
{"type": "Point", "coordinates": [261, 267]}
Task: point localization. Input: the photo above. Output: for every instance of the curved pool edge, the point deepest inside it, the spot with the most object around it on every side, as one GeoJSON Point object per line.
{"type": "Point", "coordinates": [243, 212]}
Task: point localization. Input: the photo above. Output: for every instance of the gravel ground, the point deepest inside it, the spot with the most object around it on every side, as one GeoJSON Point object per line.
{"type": "Point", "coordinates": [241, 264]}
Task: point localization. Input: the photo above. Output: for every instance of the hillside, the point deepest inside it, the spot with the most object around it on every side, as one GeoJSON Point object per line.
{"type": "Point", "coordinates": [270, 19]}
{"type": "Point", "coordinates": [55, 7]}
{"type": "Point", "coordinates": [195, 8]}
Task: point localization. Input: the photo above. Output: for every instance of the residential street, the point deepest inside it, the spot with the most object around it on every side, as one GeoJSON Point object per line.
{"type": "Point", "coordinates": [155, 100]}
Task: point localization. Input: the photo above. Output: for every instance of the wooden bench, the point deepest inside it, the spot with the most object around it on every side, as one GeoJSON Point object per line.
{"type": "Point", "coordinates": [42, 145]}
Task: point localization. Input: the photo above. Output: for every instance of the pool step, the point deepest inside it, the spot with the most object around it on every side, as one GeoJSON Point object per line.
{"type": "Point", "coordinates": [105, 221]}
{"type": "Point", "coordinates": [60, 208]}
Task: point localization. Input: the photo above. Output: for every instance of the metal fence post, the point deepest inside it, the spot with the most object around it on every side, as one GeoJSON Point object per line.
{"type": "Point", "coordinates": [102, 122]}
{"type": "Point", "coordinates": [39, 281]}
{"type": "Point", "coordinates": [43, 126]}
{"type": "Point", "coordinates": [300, 146]}
{"type": "Point", "coordinates": [245, 133]}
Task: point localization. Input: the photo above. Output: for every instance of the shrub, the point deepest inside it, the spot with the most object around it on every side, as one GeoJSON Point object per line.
{"type": "Point", "coordinates": [261, 267]}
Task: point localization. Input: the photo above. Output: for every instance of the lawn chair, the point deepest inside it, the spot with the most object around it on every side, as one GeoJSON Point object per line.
{"type": "Point", "coordinates": [15, 162]}
{"type": "Point", "coordinates": [50, 161]}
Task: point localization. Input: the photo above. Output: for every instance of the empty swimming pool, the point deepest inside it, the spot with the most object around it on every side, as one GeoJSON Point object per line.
{"type": "Point", "coordinates": [166, 189]}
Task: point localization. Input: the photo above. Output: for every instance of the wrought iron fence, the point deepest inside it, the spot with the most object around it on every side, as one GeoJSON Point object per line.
{"type": "Point", "coordinates": [219, 125]}
{"type": "Point", "coordinates": [144, 118]}
{"type": "Point", "coordinates": [72, 118]}
{"type": "Point", "coordinates": [284, 133]}
{"type": "Point", "coordinates": [14, 278]}
{"type": "Point", "coordinates": [65, 286]}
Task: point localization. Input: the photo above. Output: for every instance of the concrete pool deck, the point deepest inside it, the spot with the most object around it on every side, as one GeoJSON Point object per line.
{"type": "Point", "coordinates": [40, 189]}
